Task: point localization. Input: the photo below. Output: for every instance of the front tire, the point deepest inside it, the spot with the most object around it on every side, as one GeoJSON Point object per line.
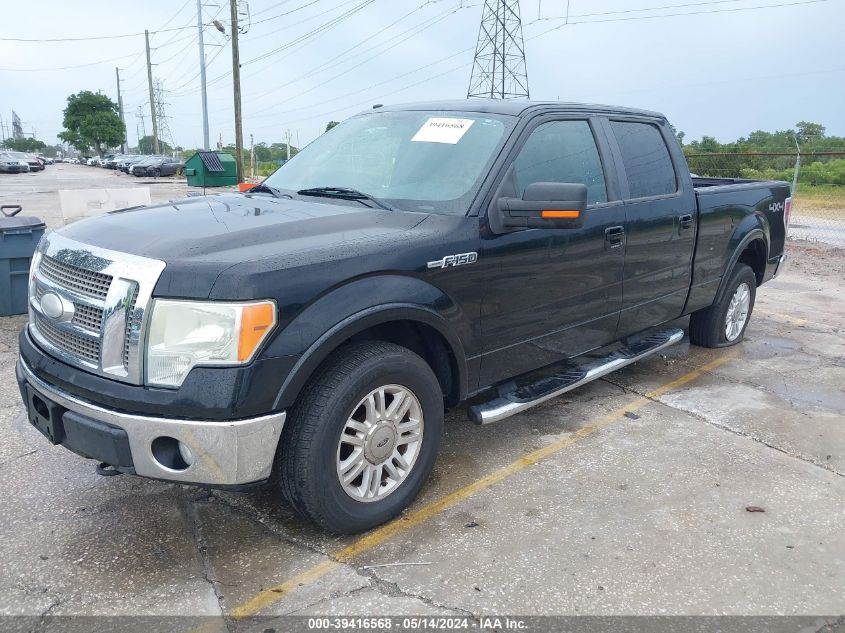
{"type": "Point", "coordinates": [363, 437]}
{"type": "Point", "coordinates": [723, 324]}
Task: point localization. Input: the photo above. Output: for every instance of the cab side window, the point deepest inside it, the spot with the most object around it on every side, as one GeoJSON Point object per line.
{"type": "Point", "coordinates": [561, 151]}
{"type": "Point", "coordinates": [646, 159]}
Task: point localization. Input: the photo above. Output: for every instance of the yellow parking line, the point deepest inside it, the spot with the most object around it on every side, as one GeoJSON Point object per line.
{"type": "Point", "coordinates": [379, 535]}
{"type": "Point", "coordinates": [790, 319]}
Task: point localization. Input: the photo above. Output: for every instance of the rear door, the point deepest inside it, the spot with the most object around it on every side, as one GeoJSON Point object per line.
{"type": "Point", "coordinates": [660, 223]}
{"type": "Point", "coordinates": [554, 293]}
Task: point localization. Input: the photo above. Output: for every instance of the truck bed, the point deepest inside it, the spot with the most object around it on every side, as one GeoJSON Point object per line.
{"type": "Point", "coordinates": [701, 182]}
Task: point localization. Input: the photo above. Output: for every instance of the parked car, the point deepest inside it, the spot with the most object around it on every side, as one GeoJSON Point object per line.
{"type": "Point", "coordinates": [12, 165]}
{"type": "Point", "coordinates": [128, 161]}
{"type": "Point", "coordinates": [141, 163]}
{"type": "Point", "coordinates": [114, 161]}
{"type": "Point", "coordinates": [159, 166]}
{"type": "Point", "coordinates": [311, 331]}
{"type": "Point", "coordinates": [45, 159]}
{"type": "Point", "coordinates": [31, 160]}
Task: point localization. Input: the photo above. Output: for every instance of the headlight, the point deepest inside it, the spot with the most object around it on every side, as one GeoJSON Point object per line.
{"type": "Point", "coordinates": [184, 334]}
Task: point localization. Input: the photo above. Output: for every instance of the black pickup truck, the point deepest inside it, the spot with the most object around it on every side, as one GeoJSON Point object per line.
{"type": "Point", "coordinates": [309, 334]}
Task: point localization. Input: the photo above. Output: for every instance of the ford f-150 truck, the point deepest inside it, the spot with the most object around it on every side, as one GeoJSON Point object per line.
{"type": "Point", "coordinates": [309, 333]}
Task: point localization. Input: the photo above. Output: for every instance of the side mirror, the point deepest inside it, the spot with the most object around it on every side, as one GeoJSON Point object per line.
{"type": "Point", "coordinates": [546, 205]}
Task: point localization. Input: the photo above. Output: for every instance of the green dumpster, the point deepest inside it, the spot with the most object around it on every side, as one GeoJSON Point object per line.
{"type": "Point", "coordinates": [18, 238]}
{"type": "Point", "coordinates": [211, 169]}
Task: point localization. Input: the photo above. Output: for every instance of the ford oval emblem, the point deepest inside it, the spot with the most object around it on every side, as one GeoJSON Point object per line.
{"type": "Point", "coordinates": [54, 307]}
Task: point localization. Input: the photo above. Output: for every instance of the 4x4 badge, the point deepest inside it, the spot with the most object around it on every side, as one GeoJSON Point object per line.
{"type": "Point", "coordinates": [454, 260]}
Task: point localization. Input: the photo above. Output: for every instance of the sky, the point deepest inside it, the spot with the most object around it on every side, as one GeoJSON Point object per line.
{"type": "Point", "coordinates": [721, 68]}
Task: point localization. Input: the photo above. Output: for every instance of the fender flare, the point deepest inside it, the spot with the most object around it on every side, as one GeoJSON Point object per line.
{"type": "Point", "coordinates": [327, 343]}
{"type": "Point", "coordinates": [754, 234]}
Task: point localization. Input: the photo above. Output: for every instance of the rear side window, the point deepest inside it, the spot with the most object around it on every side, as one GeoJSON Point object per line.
{"type": "Point", "coordinates": [646, 159]}
{"type": "Point", "coordinates": [561, 151]}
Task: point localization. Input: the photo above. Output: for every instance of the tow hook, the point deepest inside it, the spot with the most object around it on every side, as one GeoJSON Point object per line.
{"type": "Point", "coordinates": [107, 470]}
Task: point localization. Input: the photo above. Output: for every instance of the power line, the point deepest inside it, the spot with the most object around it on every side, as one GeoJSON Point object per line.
{"type": "Point", "coordinates": [88, 38]}
{"type": "Point", "coordinates": [270, 8]}
{"type": "Point", "coordinates": [136, 56]}
{"type": "Point", "coordinates": [175, 15]}
{"type": "Point", "coordinates": [462, 65]}
{"type": "Point", "coordinates": [207, 63]}
{"type": "Point", "coordinates": [281, 15]}
{"type": "Point", "coordinates": [289, 25]}
{"type": "Point", "coordinates": [426, 24]}
{"type": "Point", "coordinates": [102, 61]}
{"type": "Point", "coordinates": [326, 26]}
{"type": "Point", "coordinates": [323, 27]}
{"type": "Point", "coordinates": [683, 13]}
{"type": "Point", "coordinates": [326, 64]}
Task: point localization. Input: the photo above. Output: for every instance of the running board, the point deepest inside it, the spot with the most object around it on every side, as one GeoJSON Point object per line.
{"type": "Point", "coordinates": [525, 396]}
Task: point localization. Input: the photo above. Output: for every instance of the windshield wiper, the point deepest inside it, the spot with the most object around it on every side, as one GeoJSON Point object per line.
{"type": "Point", "coordinates": [345, 193]}
{"type": "Point", "coordinates": [268, 189]}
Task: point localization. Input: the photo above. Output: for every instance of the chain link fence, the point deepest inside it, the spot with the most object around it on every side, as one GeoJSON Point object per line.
{"type": "Point", "coordinates": [818, 180]}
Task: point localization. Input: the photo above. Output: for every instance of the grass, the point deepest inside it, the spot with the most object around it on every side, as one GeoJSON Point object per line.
{"type": "Point", "coordinates": [820, 201]}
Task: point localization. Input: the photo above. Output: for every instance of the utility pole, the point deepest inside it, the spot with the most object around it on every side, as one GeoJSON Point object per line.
{"type": "Point", "coordinates": [205, 143]}
{"type": "Point", "coordinates": [142, 131]}
{"type": "Point", "coordinates": [152, 98]}
{"type": "Point", "coordinates": [287, 144]}
{"type": "Point", "coordinates": [120, 108]}
{"type": "Point", "coordinates": [236, 81]}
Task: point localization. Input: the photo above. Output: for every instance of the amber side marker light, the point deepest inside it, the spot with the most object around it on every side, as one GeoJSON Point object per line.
{"type": "Point", "coordinates": [561, 214]}
{"type": "Point", "coordinates": [256, 322]}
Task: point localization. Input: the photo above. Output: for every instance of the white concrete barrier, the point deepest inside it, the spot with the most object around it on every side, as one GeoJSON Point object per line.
{"type": "Point", "coordinates": [83, 203]}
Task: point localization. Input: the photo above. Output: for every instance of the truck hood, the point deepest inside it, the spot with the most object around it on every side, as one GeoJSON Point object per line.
{"type": "Point", "coordinates": [200, 237]}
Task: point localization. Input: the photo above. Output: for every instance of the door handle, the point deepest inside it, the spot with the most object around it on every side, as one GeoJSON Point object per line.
{"type": "Point", "coordinates": [614, 237]}
{"type": "Point", "coordinates": [684, 222]}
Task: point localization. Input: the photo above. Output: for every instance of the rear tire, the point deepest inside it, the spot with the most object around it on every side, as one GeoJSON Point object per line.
{"type": "Point", "coordinates": [342, 427]}
{"type": "Point", "coordinates": [723, 324]}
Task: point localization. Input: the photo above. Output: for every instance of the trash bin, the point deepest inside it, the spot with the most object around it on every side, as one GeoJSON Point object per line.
{"type": "Point", "coordinates": [19, 236]}
{"type": "Point", "coordinates": [211, 169]}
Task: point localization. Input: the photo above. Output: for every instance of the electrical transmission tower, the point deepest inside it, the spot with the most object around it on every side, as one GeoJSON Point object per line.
{"type": "Point", "coordinates": [161, 116]}
{"type": "Point", "coordinates": [498, 71]}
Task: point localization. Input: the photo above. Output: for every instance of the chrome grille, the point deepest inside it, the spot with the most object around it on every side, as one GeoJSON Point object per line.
{"type": "Point", "coordinates": [110, 293]}
{"type": "Point", "coordinates": [133, 324]}
{"type": "Point", "coordinates": [86, 282]}
{"type": "Point", "coordinates": [80, 346]}
{"type": "Point", "coordinates": [89, 317]}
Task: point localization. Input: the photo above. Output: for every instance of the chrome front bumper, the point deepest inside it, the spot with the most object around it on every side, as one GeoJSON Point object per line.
{"type": "Point", "coordinates": [224, 453]}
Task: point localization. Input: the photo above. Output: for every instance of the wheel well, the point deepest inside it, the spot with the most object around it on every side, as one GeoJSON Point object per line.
{"type": "Point", "coordinates": [426, 342]}
{"type": "Point", "coordinates": [754, 256]}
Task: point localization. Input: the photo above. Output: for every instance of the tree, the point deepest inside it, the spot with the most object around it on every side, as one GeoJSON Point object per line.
{"type": "Point", "coordinates": [263, 153]}
{"type": "Point", "coordinates": [331, 124]}
{"type": "Point", "coordinates": [678, 135]}
{"type": "Point", "coordinates": [808, 131]}
{"type": "Point", "coordinates": [145, 146]}
{"type": "Point", "coordinates": [92, 120]}
{"type": "Point", "coordinates": [24, 144]}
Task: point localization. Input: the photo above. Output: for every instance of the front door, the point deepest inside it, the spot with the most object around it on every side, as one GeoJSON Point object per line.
{"type": "Point", "coordinates": [554, 293]}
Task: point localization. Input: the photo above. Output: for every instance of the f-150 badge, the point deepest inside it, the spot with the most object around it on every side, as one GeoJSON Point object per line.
{"type": "Point", "coordinates": [454, 260]}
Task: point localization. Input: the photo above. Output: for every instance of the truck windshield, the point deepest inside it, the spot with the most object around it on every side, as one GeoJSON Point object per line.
{"type": "Point", "coordinates": [415, 160]}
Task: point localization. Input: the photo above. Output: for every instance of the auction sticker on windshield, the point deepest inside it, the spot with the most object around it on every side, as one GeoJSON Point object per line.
{"type": "Point", "coordinates": [442, 130]}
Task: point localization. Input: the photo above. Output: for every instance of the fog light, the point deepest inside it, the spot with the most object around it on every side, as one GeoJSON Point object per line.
{"type": "Point", "coordinates": [171, 453]}
{"type": "Point", "coordinates": [185, 452]}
